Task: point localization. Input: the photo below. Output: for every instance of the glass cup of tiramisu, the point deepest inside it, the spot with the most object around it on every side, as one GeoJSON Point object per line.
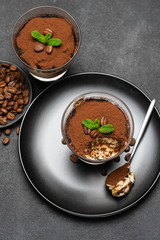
{"type": "Point", "coordinates": [46, 39]}
{"type": "Point", "coordinates": [97, 127]}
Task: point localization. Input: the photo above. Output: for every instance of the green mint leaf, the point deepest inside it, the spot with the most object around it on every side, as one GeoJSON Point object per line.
{"type": "Point", "coordinates": [38, 36]}
{"type": "Point", "coordinates": [48, 36]}
{"type": "Point", "coordinates": [90, 124]}
{"type": "Point", "coordinates": [106, 128]}
{"type": "Point", "coordinates": [54, 42]}
{"type": "Point", "coordinates": [96, 123]}
{"type": "Point", "coordinates": [46, 39]}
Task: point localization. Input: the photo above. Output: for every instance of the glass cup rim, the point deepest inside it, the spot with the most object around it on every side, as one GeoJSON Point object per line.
{"type": "Point", "coordinates": [100, 161]}
{"type": "Point", "coordinates": [50, 69]}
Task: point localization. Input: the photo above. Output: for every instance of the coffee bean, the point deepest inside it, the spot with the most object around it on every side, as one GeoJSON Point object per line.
{"type": "Point", "coordinates": [18, 92]}
{"type": "Point", "coordinates": [15, 97]}
{"type": "Point", "coordinates": [16, 85]}
{"type": "Point", "coordinates": [2, 84]}
{"type": "Point", "coordinates": [13, 67]}
{"type": "Point", "coordinates": [15, 106]}
{"type": "Point", "coordinates": [49, 49]}
{"type": "Point", "coordinates": [86, 130]}
{"type": "Point", "coordinates": [2, 70]}
{"type": "Point", "coordinates": [104, 171]}
{"type": "Point", "coordinates": [3, 110]}
{"type": "Point", "coordinates": [9, 108]}
{"type": "Point", "coordinates": [74, 158]}
{"type": "Point", "coordinates": [20, 101]}
{"type": "Point", "coordinates": [19, 110]}
{"type": "Point", "coordinates": [127, 149]}
{"type": "Point", "coordinates": [5, 102]}
{"type": "Point", "coordinates": [11, 103]}
{"type": "Point", "coordinates": [10, 116]}
{"type": "Point", "coordinates": [133, 141]}
{"type": "Point", "coordinates": [26, 93]}
{"type": "Point", "coordinates": [7, 79]}
{"type": "Point", "coordinates": [3, 120]}
{"type": "Point", "coordinates": [104, 120]}
{"type": "Point", "coordinates": [127, 157]}
{"type": "Point", "coordinates": [117, 159]}
{"type": "Point", "coordinates": [1, 97]}
{"type": "Point", "coordinates": [25, 100]}
{"type": "Point", "coordinates": [5, 89]}
{"type": "Point", "coordinates": [6, 65]}
{"type": "Point", "coordinates": [2, 76]}
{"type": "Point", "coordinates": [12, 89]}
{"type": "Point", "coordinates": [94, 133]}
{"type": "Point", "coordinates": [7, 131]}
{"type": "Point", "coordinates": [5, 140]}
{"type": "Point", "coordinates": [1, 90]}
{"type": "Point", "coordinates": [11, 83]}
{"type": "Point", "coordinates": [47, 30]}
{"type": "Point", "coordinates": [17, 130]}
{"type": "Point", "coordinates": [38, 48]}
{"type": "Point", "coordinates": [20, 96]}
{"type": "Point", "coordinates": [7, 95]}
{"type": "Point", "coordinates": [13, 111]}
{"type": "Point", "coordinates": [63, 141]}
{"type": "Point", "coordinates": [12, 76]}
{"type": "Point", "coordinates": [17, 74]}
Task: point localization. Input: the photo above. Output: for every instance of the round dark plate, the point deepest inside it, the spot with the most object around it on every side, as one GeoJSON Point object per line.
{"type": "Point", "coordinates": [19, 115]}
{"type": "Point", "coordinates": [80, 188]}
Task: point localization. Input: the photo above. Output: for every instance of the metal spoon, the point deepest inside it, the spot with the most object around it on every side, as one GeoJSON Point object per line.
{"type": "Point", "coordinates": [144, 125]}
{"type": "Point", "coordinates": [118, 171]}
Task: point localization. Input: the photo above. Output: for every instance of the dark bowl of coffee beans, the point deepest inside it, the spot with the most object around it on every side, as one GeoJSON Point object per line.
{"type": "Point", "coordinates": [15, 93]}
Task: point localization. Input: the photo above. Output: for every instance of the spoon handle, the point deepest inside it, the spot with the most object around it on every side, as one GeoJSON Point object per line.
{"type": "Point", "coordinates": [148, 114]}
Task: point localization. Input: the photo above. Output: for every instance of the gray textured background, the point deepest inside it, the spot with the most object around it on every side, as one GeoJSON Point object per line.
{"type": "Point", "coordinates": [118, 37]}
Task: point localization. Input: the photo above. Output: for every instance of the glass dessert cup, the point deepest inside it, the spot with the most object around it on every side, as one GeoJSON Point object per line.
{"type": "Point", "coordinates": [98, 96]}
{"type": "Point", "coordinates": [55, 73]}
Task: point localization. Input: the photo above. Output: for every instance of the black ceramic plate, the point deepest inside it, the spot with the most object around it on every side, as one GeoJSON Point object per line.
{"type": "Point", "coordinates": [19, 115]}
{"type": "Point", "coordinates": [79, 188]}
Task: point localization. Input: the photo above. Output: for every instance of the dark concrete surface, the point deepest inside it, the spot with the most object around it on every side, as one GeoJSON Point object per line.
{"type": "Point", "coordinates": [118, 37]}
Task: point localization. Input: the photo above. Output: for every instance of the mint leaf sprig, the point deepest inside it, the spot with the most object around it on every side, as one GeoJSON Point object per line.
{"type": "Point", "coordinates": [90, 124]}
{"type": "Point", "coordinates": [108, 128]}
{"type": "Point", "coordinates": [46, 39]}
{"type": "Point", "coordinates": [35, 34]}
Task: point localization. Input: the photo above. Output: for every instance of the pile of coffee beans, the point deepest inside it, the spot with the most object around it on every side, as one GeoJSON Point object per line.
{"type": "Point", "coordinates": [14, 92]}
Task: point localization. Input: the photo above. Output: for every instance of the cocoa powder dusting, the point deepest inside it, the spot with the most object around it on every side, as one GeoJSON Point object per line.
{"type": "Point", "coordinates": [119, 174]}
{"type": "Point", "coordinates": [61, 28]}
{"type": "Point", "coordinates": [95, 109]}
